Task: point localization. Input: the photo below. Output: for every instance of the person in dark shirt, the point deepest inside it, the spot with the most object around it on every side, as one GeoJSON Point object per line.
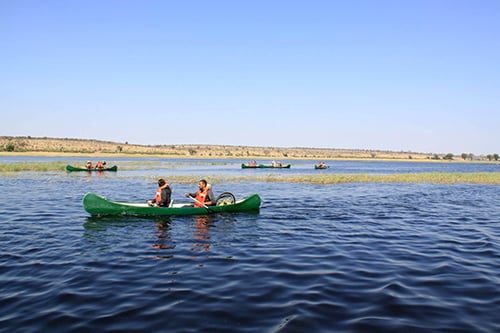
{"type": "Point", "coordinates": [163, 195]}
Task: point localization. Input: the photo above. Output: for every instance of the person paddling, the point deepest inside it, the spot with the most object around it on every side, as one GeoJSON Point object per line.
{"type": "Point", "coordinates": [204, 196]}
{"type": "Point", "coordinates": [163, 195]}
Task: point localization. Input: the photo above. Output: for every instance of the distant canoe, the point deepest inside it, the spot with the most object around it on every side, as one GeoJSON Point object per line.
{"type": "Point", "coordinates": [263, 166]}
{"type": "Point", "coordinates": [321, 166]}
{"type": "Point", "coordinates": [72, 168]}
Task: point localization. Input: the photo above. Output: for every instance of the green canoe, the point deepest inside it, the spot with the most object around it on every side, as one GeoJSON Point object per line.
{"type": "Point", "coordinates": [97, 205]}
{"type": "Point", "coordinates": [72, 168]}
{"type": "Point", "coordinates": [263, 166]}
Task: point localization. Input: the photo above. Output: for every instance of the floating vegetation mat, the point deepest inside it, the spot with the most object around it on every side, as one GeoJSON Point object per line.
{"type": "Point", "coordinates": [432, 177]}
{"type": "Point", "coordinates": [32, 166]}
{"type": "Point", "coordinates": [424, 177]}
{"type": "Point", "coordinates": [492, 178]}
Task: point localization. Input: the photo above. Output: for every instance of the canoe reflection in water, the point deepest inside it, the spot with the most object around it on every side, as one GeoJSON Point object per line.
{"type": "Point", "coordinates": [163, 228]}
{"type": "Point", "coordinates": [201, 236]}
{"type": "Point", "coordinates": [203, 223]}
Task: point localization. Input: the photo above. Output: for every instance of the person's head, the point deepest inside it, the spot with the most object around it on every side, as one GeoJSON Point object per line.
{"type": "Point", "coordinates": [202, 184]}
{"type": "Point", "coordinates": [161, 182]}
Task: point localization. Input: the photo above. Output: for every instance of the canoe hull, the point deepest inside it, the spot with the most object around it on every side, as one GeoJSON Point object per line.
{"type": "Point", "coordinates": [72, 168]}
{"type": "Point", "coordinates": [263, 166]}
{"type": "Point", "coordinates": [97, 205]}
{"type": "Point", "coordinates": [319, 167]}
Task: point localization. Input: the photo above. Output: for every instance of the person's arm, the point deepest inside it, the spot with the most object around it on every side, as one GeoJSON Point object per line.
{"type": "Point", "coordinates": [211, 198]}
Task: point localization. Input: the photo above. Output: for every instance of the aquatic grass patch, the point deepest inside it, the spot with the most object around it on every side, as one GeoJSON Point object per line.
{"type": "Point", "coordinates": [188, 179]}
{"type": "Point", "coordinates": [492, 178]}
{"type": "Point", "coordinates": [430, 177]}
{"type": "Point", "coordinates": [32, 166]}
{"type": "Point", "coordinates": [446, 178]}
{"type": "Point", "coordinates": [164, 164]}
{"type": "Point", "coordinates": [137, 165]}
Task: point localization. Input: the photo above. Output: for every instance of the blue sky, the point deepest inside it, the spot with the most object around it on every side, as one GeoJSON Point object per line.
{"type": "Point", "coordinates": [421, 76]}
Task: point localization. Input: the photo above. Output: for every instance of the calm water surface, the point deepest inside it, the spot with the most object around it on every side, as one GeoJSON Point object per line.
{"type": "Point", "coordinates": [317, 258]}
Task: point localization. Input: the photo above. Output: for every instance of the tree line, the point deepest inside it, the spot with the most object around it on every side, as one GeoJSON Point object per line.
{"type": "Point", "coordinates": [468, 156]}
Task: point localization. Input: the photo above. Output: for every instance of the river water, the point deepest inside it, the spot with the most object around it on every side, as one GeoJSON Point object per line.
{"type": "Point", "coordinates": [358, 257]}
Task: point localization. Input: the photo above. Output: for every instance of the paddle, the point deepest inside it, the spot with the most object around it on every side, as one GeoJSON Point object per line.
{"type": "Point", "coordinates": [201, 203]}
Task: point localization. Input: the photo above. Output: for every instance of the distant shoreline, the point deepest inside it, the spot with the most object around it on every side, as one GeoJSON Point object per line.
{"type": "Point", "coordinates": [142, 156]}
{"type": "Point", "coordinates": [30, 146]}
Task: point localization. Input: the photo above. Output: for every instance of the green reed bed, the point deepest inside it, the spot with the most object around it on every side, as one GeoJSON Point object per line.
{"type": "Point", "coordinates": [160, 164]}
{"type": "Point", "coordinates": [189, 179]}
{"type": "Point", "coordinates": [32, 166]}
{"type": "Point", "coordinates": [432, 177]}
{"type": "Point", "coordinates": [492, 178]}
{"type": "Point", "coordinates": [136, 165]}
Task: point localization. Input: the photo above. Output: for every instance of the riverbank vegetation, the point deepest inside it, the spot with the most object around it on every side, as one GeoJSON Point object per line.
{"type": "Point", "coordinates": [83, 147]}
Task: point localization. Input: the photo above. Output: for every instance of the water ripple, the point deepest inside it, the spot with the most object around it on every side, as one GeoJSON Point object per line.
{"type": "Point", "coordinates": [350, 257]}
